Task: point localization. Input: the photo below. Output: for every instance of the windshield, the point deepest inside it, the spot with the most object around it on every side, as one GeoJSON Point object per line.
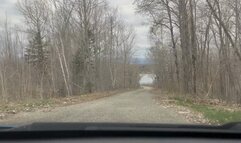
{"type": "Point", "coordinates": [120, 61]}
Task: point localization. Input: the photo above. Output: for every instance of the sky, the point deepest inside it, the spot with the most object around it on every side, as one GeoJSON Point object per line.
{"type": "Point", "coordinates": [127, 12]}
{"type": "Point", "coordinates": [8, 9]}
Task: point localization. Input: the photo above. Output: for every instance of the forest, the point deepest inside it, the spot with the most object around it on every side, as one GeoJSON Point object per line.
{"type": "Point", "coordinates": [196, 46]}
{"type": "Point", "coordinates": [65, 48]}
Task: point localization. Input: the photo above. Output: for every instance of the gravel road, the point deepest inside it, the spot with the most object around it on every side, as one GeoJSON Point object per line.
{"type": "Point", "coordinates": [137, 106]}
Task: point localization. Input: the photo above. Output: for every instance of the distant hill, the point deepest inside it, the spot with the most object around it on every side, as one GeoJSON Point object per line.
{"type": "Point", "coordinates": [141, 61]}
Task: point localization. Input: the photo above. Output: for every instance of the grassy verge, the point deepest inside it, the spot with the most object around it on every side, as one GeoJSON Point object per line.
{"type": "Point", "coordinates": [216, 115]}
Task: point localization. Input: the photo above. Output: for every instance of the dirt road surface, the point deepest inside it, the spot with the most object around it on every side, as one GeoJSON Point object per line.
{"type": "Point", "coordinates": [137, 106]}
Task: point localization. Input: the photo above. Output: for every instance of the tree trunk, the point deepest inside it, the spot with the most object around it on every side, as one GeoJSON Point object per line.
{"type": "Point", "coordinates": [186, 51]}
{"type": "Point", "coordinates": [173, 43]}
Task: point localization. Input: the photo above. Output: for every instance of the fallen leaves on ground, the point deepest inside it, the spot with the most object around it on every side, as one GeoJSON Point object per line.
{"type": "Point", "coordinates": [46, 105]}
{"type": "Point", "coordinates": [191, 116]}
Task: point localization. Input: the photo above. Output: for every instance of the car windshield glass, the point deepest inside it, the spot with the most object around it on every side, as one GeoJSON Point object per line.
{"type": "Point", "coordinates": [120, 61]}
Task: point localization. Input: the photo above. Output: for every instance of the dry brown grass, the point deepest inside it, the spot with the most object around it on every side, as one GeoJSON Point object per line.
{"type": "Point", "coordinates": [9, 108]}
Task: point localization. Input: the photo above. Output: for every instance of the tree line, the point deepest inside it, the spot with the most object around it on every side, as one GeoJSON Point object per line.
{"type": "Point", "coordinates": [196, 46]}
{"type": "Point", "coordinates": [64, 48]}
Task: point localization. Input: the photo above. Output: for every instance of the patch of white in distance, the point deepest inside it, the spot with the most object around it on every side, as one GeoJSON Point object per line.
{"type": "Point", "coordinates": [146, 79]}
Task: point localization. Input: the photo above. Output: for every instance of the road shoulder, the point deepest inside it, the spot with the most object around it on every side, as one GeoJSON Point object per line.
{"type": "Point", "coordinates": [166, 102]}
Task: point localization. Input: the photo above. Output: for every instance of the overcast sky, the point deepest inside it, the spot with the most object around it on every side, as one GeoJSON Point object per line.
{"type": "Point", "coordinates": [125, 8]}
{"type": "Point", "coordinates": [139, 22]}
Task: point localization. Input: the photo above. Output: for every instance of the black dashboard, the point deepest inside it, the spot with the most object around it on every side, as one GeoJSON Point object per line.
{"type": "Point", "coordinates": [118, 133]}
{"type": "Point", "coordinates": [129, 140]}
